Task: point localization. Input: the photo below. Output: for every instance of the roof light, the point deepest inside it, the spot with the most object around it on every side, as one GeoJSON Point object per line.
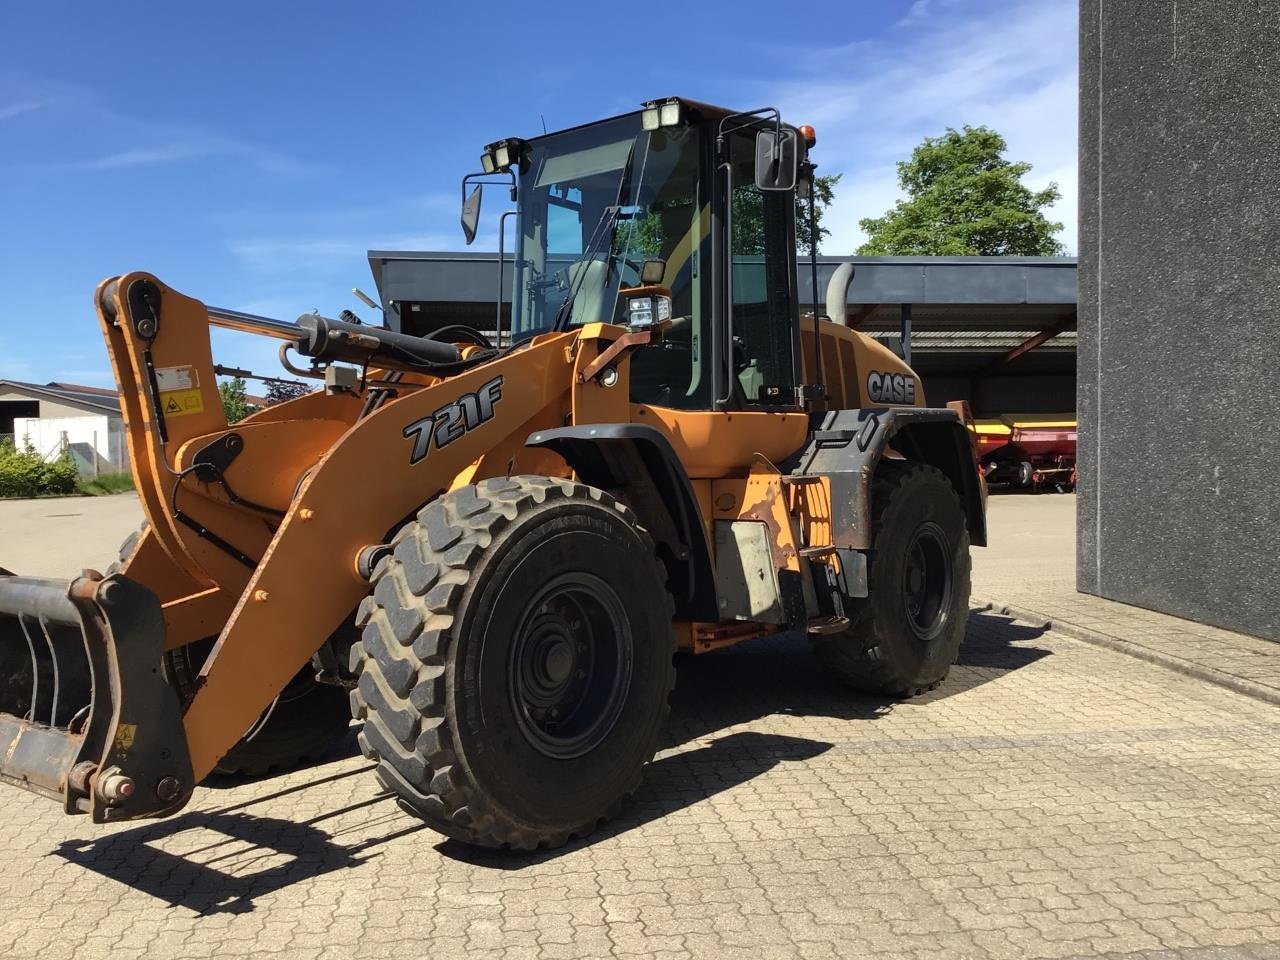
{"type": "Point", "coordinates": [502, 155]}
{"type": "Point", "coordinates": [661, 113]}
{"type": "Point", "coordinates": [809, 135]}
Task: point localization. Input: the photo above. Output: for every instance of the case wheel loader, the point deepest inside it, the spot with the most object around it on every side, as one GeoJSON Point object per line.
{"type": "Point", "coordinates": [493, 547]}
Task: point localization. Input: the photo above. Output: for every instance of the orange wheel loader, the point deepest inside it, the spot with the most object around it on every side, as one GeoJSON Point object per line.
{"type": "Point", "coordinates": [487, 551]}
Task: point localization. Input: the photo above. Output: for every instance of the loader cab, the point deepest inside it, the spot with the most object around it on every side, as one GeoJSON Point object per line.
{"type": "Point", "coordinates": [669, 197]}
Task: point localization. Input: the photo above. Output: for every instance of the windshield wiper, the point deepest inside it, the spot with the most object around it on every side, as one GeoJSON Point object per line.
{"type": "Point", "coordinates": [604, 231]}
{"type": "Point", "coordinates": [604, 228]}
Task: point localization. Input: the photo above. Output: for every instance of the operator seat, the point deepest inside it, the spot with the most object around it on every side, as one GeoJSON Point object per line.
{"type": "Point", "coordinates": [588, 279]}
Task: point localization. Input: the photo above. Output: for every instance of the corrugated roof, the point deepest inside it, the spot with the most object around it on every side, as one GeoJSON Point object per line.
{"type": "Point", "coordinates": [98, 397]}
{"type": "Point", "coordinates": [978, 340]}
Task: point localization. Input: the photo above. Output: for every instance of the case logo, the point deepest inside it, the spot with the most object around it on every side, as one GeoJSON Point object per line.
{"type": "Point", "coordinates": [450, 422]}
{"type": "Point", "coordinates": [891, 387]}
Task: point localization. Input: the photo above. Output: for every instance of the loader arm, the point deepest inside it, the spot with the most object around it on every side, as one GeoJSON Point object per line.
{"type": "Point", "coordinates": [377, 474]}
{"type": "Point", "coordinates": [255, 533]}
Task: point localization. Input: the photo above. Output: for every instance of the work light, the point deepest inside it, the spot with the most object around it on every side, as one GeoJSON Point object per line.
{"type": "Point", "coordinates": [657, 114]}
{"type": "Point", "coordinates": [502, 155]}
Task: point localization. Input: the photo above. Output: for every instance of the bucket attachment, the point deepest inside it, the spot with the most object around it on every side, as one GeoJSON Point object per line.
{"type": "Point", "coordinates": [86, 714]}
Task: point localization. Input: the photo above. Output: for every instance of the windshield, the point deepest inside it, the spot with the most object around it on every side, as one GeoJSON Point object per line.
{"type": "Point", "coordinates": [595, 203]}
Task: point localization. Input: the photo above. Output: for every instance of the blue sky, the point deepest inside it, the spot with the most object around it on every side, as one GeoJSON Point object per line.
{"type": "Point", "coordinates": [249, 154]}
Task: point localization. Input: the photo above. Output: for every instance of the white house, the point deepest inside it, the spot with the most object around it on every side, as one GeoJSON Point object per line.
{"type": "Point", "coordinates": [53, 417]}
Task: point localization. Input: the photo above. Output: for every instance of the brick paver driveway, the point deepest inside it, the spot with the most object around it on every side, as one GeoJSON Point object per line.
{"type": "Point", "coordinates": [1051, 799]}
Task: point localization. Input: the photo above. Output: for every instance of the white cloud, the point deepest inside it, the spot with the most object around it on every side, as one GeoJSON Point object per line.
{"type": "Point", "coordinates": [150, 141]}
{"type": "Point", "coordinates": [183, 148]}
{"type": "Point", "coordinates": [19, 108]}
{"type": "Point", "coordinates": [1012, 69]}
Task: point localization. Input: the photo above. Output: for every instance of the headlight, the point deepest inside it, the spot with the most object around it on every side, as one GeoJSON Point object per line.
{"type": "Point", "coordinates": [646, 311]}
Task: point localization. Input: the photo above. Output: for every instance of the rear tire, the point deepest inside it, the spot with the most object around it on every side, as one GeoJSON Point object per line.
{"type": "Point", "coordinates": [516, 662]}
{"type": "Point", "coordinates": [903, 638]}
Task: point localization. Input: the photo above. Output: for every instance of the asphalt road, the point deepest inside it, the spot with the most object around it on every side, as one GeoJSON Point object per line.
{"type": "Point", "coordinates": [60, 536]}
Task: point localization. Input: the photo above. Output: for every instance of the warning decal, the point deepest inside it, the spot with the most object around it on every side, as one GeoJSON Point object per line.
{"type": "Point", "coordinates": [179, 403]}
{"type": "Point", "coordinates": [176, 378]}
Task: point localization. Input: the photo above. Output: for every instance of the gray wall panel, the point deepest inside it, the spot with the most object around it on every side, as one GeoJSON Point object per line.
{"type": "Point", "coordinates": [1179, 363]}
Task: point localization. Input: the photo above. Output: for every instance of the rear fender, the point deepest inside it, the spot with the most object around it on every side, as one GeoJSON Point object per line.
{"type": "Point", "coordinates": [847, 445]}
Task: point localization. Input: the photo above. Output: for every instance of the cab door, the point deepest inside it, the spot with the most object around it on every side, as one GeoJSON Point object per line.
{"type": "Point", "coordinates": [751, 407]}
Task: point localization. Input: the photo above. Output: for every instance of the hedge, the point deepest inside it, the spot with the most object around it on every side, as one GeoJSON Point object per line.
{"type": "Point", "coordinates": [24, 473]}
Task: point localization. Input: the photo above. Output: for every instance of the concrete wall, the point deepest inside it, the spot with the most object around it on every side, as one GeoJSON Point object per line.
{"type": "Point", "coordinates": [1179, 354]}
{"type": "Point", "coordinates": [96, 443]}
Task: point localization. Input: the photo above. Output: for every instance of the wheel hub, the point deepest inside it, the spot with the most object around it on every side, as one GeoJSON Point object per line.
{"type": "Point", "coordinates": [570, 665]}
{"type": "Point", "coordinates": [927, 581]}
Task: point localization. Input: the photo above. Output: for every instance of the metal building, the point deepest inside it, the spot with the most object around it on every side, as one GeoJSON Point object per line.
{"type": "Point", "coordinates": [996, 331]}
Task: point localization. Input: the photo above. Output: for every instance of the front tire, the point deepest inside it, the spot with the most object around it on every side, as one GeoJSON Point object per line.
{"type": "Point", "coordinates": [903, 638]}
{"type": "Point", "coordinates": [516, 661]}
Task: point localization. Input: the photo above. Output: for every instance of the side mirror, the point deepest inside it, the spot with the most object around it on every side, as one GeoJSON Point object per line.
{"type": "Point", "coordinates": [776, 159]}
{"type": "Point", "coordinates": [471, 213]}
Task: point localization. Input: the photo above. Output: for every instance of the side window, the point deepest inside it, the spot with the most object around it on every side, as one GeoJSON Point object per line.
{"type": "Point", "coordinates": [669, 219]}
{"type": "Point", "coordinates": [564, 221]}
{"type": "Point", "coordinates": [762, 258]}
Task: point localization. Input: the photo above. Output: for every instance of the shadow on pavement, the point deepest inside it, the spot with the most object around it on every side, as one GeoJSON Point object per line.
{"type": "Point", "coordinates": [994, 646]}
{"type": "Point", "coordinates": [671, 783]}
{"type": "Point", "coordinates": [345, 749]}
{"type": "Point", "coordinates": [252, 855]}
{"type": "Point", "coordinates": [773, 676]}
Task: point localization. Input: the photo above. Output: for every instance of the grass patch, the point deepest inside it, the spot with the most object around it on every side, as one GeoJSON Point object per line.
{"type": "Point", "coordinates": [105, 484]}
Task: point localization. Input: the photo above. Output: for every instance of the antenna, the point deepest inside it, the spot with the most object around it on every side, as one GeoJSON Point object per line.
{"type": "Point", "coordinates": [368, 300]}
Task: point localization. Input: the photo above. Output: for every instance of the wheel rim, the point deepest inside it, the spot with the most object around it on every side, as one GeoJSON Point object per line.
{"type": "Point", "coordinates": [926, 582]}
{"type": "Point", "coordinates": [570, 665]}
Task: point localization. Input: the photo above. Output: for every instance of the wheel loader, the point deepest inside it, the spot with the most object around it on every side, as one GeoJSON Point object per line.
{"type": "Point", "coordinates": [488, 549]}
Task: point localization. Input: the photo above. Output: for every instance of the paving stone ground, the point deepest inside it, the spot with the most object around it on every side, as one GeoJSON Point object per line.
{"type": "Point", "coordinates": [1051, 799]}
{"type": "Point", "coordinates": [1031, 566]}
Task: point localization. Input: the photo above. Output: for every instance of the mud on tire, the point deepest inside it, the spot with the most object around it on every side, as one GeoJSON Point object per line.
{"type": "Point", "coordinates": [516, 661]}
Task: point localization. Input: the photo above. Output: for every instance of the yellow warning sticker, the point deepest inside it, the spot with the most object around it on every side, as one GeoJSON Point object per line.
{"type": "Point", "coordinates": [125, 735]}
{"type": "Point", "coordinates": [179, 403]}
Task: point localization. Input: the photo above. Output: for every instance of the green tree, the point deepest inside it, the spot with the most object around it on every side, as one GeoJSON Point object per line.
{"type": "Point", "coordinates": [824, 190]}
{"type": "Point", "coordinates": [748, 216]}
{"type": "Point", "coordinates": [278, 391]}
{"type": "Point", "coordinates": [235, 402]}
{"type": "Point", "coordinates": [964, 199]}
